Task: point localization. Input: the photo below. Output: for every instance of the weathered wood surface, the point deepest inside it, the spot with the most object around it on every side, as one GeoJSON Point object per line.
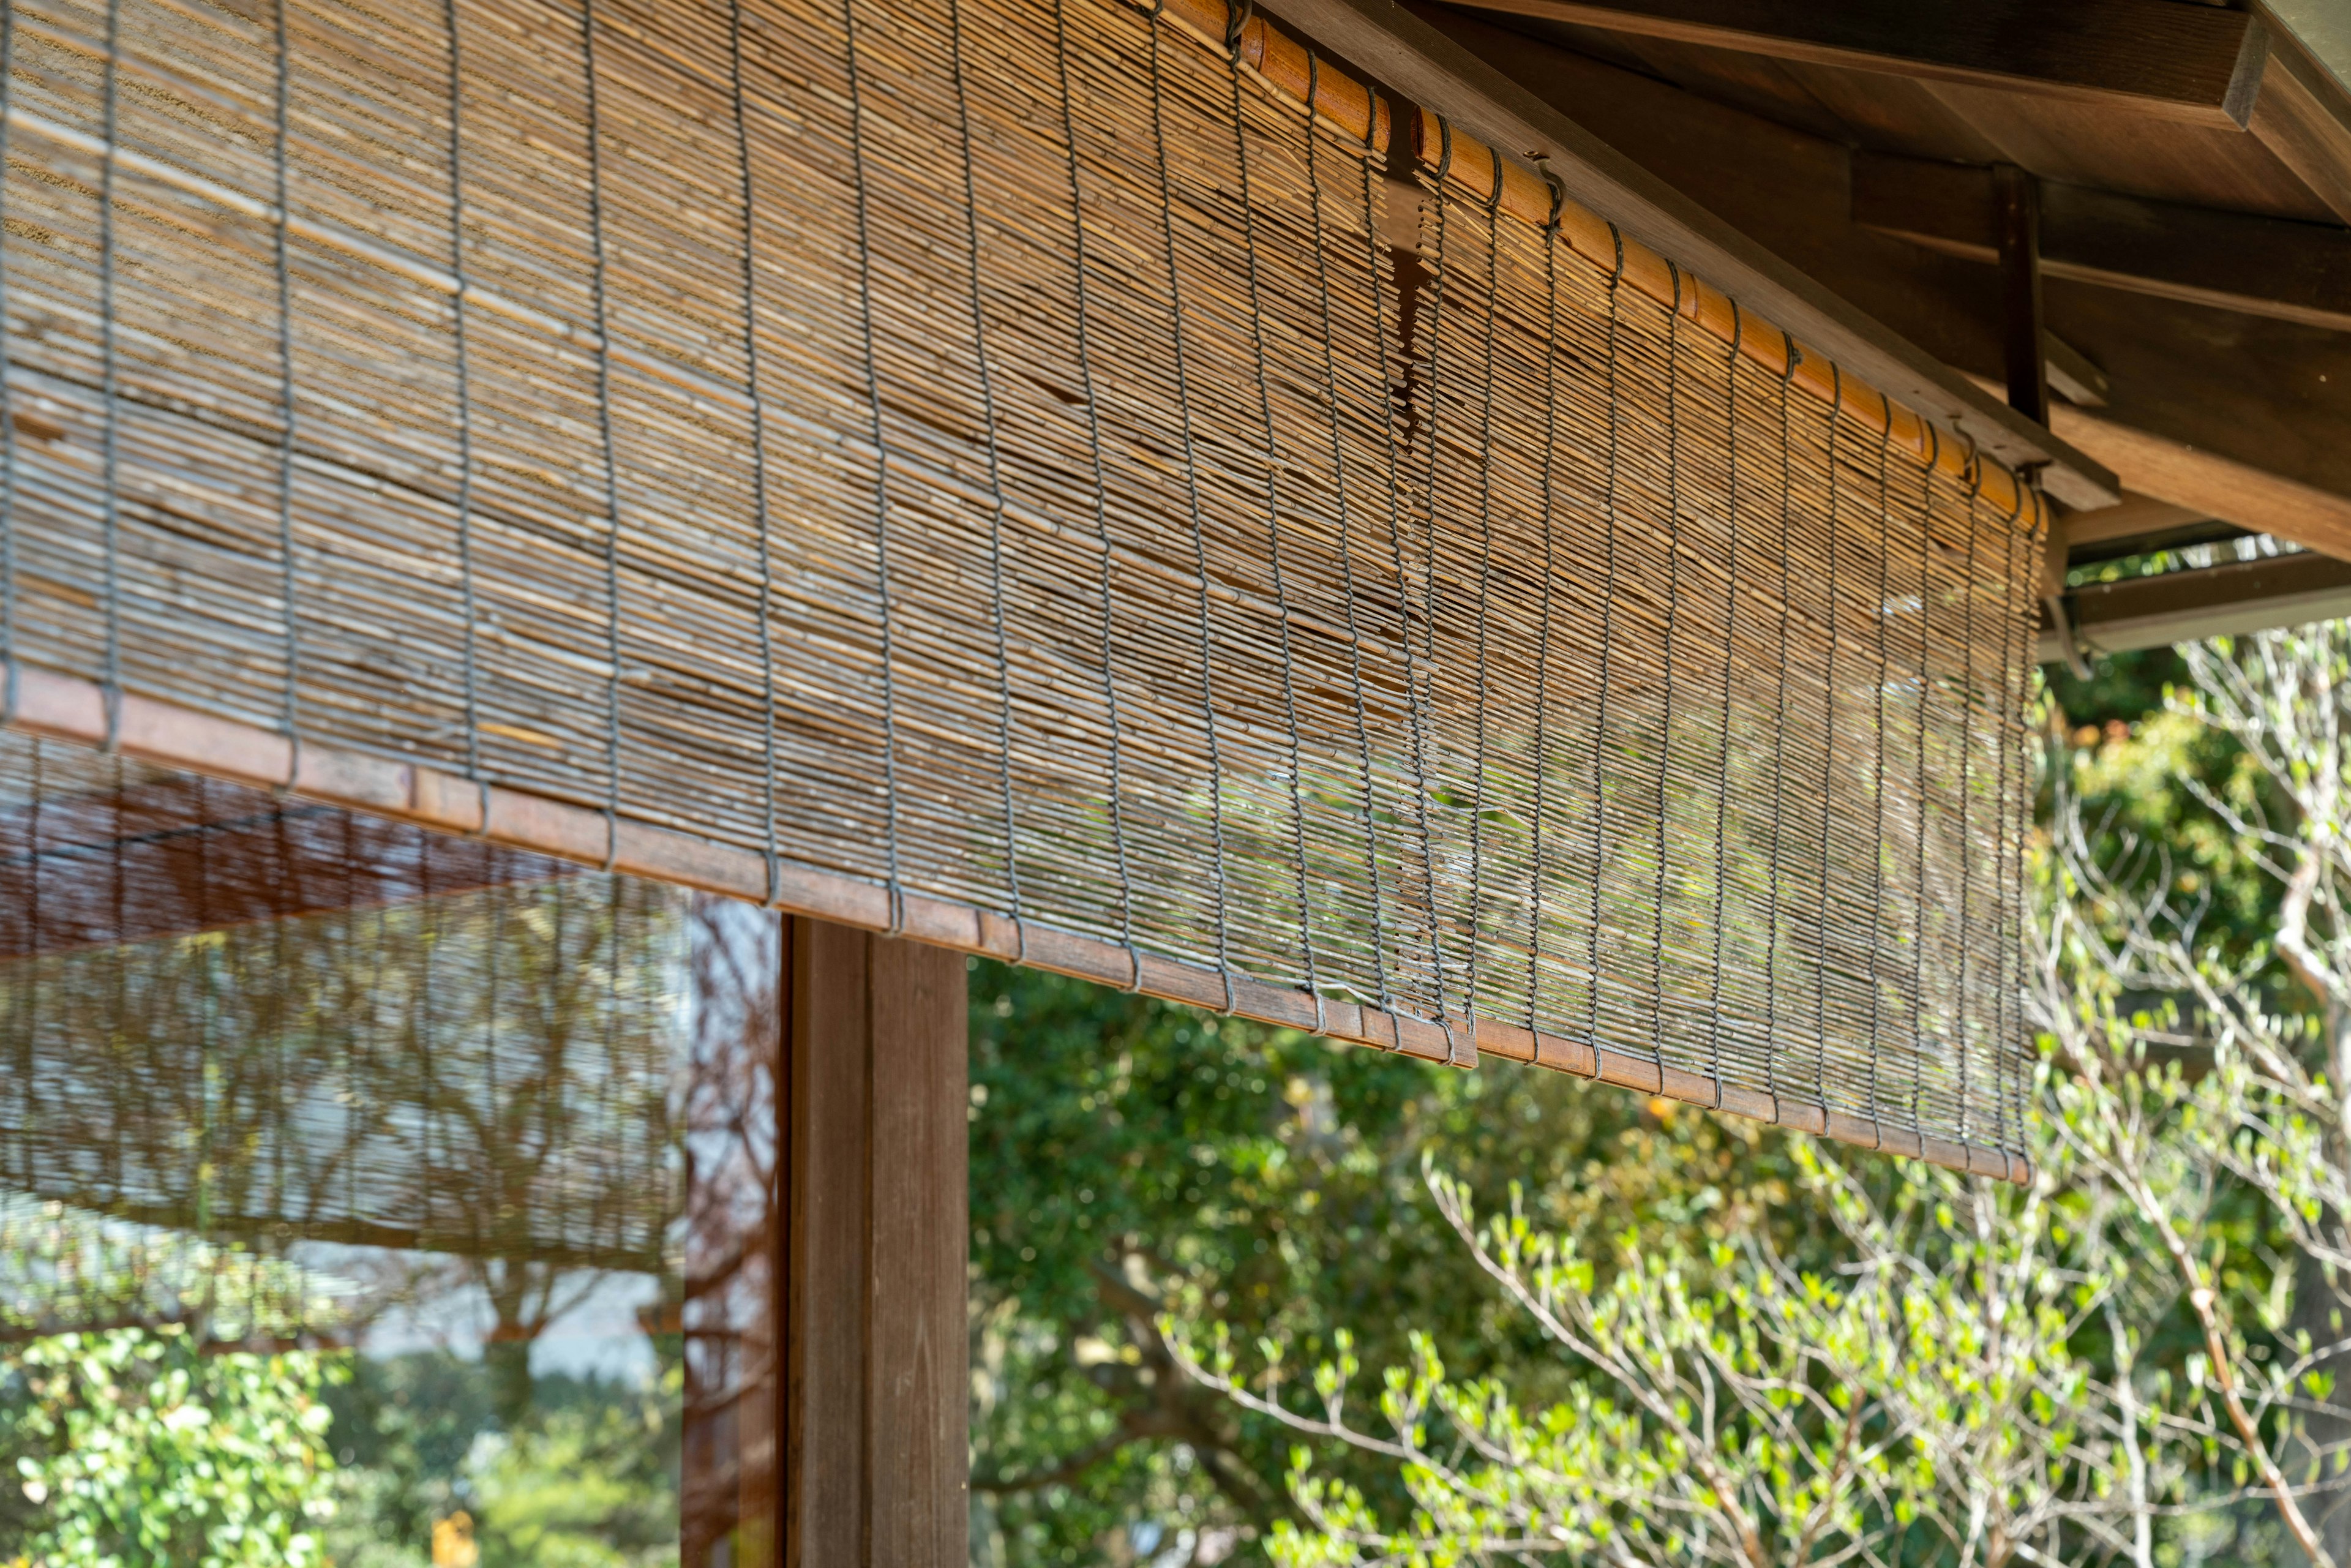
{"type": "Point", "coordinates": [878, 1388]}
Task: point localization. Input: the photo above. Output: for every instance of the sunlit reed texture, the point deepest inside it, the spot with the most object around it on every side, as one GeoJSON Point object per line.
{"type": "Point", "coordinates": [1015, 455]}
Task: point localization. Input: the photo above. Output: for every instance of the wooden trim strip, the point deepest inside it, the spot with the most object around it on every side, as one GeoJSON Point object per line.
{"type": "Point", "coordinates": [58, 706]}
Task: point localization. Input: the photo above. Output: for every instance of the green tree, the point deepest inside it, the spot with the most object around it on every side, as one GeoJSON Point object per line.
{"type": "Point", "coordinates": [161, 1398]}
{"type": "Point", "coordinates": [1128, 1155]}
{"type": "Point", "coordinates": [1922, 1401]}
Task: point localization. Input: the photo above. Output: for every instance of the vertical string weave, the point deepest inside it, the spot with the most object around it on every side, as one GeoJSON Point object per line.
{"type": "Point", "coordinates": [1272, 462]}
{"type": "Point", "coordinates": [1485, 580]}
{"type": "Point", "coordinates": [761, 517]}
{"type": "Point", "coordinates": [1346, 543]}
{"type": "Point", "coordinates": [1442, 275]}
{"type": "Point", "coordinates": [467, 609]}
{"type": "Point", "coordinates": [1101, 501]}
{"type": "Point", "coordinates": [110, 439]}
{"type": "Point", "coordinates": [1729, 657]}
{"type": "Point", "coordinates": [1535, 881]}
{"type": "Point", "coordinates": [1828, 747]}
{"type": "Point", "coordinates": [1780, 734]}
{"type": "Point", "coordinates": [9, 682]}
{"type": "Point", "coordinates": [1672, 624]}
{"type": "Point", "coordinates": [1391, 398]}
{"type": "Point", "coordinates": [994, 477]}
{"type": "Point", "coordinates": [289, 714]}
{"type": "Point", "coordinates": [1218, 871]}
{"type": "Point", "coordinates": [872, 369]}
{"type": "Point", "coordinates": [1883, 615]}
{"type": "Point", "coordinates": [599, 263]}
{"type": "Point", "coordinates": [1607, 645]}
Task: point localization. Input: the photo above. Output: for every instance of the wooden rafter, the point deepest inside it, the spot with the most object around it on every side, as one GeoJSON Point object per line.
{"type": "Point", "coordinates": [2266, 267]}
{"type": "Point", "coordinates": [2185, 62]}
{"type": "Point", "coordinates": [1404, 50]}
{"type": "Point", "coordinates": [2226, 601]}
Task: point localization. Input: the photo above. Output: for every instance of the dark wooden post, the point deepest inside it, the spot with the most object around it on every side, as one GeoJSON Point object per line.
{"type": "Point", "coordinates": [2017, 197]}
{"type": "Point", "coordinates": [877, 1381]}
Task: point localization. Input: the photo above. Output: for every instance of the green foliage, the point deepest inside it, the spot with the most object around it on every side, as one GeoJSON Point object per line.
{"type": "Point", "coordinates": [589, 1481]}
{"type": "Point", "coordinates": [158, 1404]}
{"type": "Point", "coordinates": [1739, 1408]}
{"type": "Point", "coordinates": [1128, 1155]}
{"type": "Point", "coordinates": [585, 1486]}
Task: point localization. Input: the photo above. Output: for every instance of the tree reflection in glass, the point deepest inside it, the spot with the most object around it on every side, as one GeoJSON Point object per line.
{"type": "Point", "coordinates": [422, 1188]}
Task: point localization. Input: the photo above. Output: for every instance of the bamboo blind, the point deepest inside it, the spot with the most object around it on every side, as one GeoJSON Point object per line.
{"type": "Point", "coordinates": [1097, 485]}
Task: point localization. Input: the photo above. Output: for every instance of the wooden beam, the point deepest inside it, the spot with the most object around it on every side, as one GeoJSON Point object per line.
{"type": "Point", "coordinates": [2072, 376]}
{"type": "Point", "coordinates": [877, 1385]}
{"type": "Point", "coordinates": [2138, 516]}
{"type": "Point", "coordinates": [2211, 485]}
{"type": "Point", "coordinates": [2227, 601]}
{"type": "Point", "coordinates": [1413, 53]}
{"type": "Point", "coordinates": [2230, 261]}
{"type": "Point", "coordinates": [2016, 203]}
{"type": "Point", "coordinates": [2303, 112]}
{"type": "Point", "coordinates": [2193, 63]}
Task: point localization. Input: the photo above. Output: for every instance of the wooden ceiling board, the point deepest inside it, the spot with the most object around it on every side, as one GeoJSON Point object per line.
{"type": "Point", "coordinates": [2139, 155]}
{"type": "Point", "coordinates": [1429, 53]}
{"type": "Point", "coordinates": [2271, 395]}
{"type": "Point", "coordinates": [1786, 189]}
{"type": "Point", "coordinates": [2157, 58]}
{"type": "Point", "coordinates": [1887, 113]}
{"type": "Point", "coordinates": [1755, 83]}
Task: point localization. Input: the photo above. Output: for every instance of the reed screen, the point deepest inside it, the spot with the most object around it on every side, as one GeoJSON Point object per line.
{"type": "Point", "coordinates": [1100, 487]}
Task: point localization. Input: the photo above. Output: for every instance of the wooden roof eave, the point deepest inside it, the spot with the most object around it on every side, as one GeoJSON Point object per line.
{"type": "Point", "coordinates": [1414, 57]}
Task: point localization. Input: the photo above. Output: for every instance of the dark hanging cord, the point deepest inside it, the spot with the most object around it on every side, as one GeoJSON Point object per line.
{"type": "Point", "coordinates": [1346, 552]}
{"type": "Point", "coordinates": [1964, 728]}
{"type": "Point", "coordinates": [468, 672]}
{"type": "Point", "coordinates": [604, 430]}
{"type": "Point", "coordinates": [1273, 543]}
{"type": "Point", "coordinates": [897, 920]}
{"type": "Point", "coordinates": [1673, 618]}
{"type": "Point", "coordinates": [1878, 754]}
{"type": "Point", "coordinates": [35, 993]}
{"type": "Point", "coordinates": [9, 692]}
{"type": "Point", "coordinates": [759, 509]}
{"type": "Point", "coordinates": [1780, 736]}
{"type": "Point", "coordinates": [2006, 775]}
{"type": "Point", "coordinates": [1443, 274]}
{"type": "Point", "coordinates": [1729, 629]}
{"type": "Point", "coordinates": [289, 715]}
{"type": "Point", "coordinates": [1200, 541]}
{"type": "Point", "coordinates": [2012, 946]}
{"type": "Point", "coordinates": [1551, 353]}
{"type": "Point", "coordinates": [1412, 685]}
{"type": "Point", "coordinates": [1485, 582]}
{"type": "Point", "coordinates": [1607, 649]}
{"type": "Point", "coordinates": [1101, 501]}
{"type": "Point", "coordinates": [1828, 745]}
{"type": "Point", "coordinates": [1918, 937]}
{"type": "Point", "coordinates": [110, 439]}
{"type": "Point", "coordinates": [995, 477]}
